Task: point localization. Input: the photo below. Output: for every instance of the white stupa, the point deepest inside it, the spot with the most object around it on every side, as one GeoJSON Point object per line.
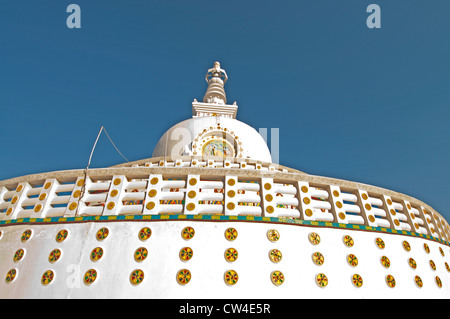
{"type": "Point", "coordinates": [210, 216]}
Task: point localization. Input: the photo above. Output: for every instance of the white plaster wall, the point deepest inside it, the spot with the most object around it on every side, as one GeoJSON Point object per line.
{"type": "Point", "coordinates": [208, 264]}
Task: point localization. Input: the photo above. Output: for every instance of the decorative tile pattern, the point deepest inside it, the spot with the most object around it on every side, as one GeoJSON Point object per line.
{"type": "Point", "coordinates": [357, 280]}
{"type": "Point", "coordinates": [54, 255]}
{"type": "Point", "coordinates": [136, 276]}
{"type": "Point", "coordinates": [418, 281]}
{"type": "Point", "coordinates": [273, 235]}
{"type": "Point", "coordinates": [11, 275]}
{"type": "Point", "coordinates": [47, 277]}
{"type": "Point", "coordinates": [26, 235]}
{"type": "Point", "coordinates": [432, 265]}
{"type": "Point", "coordinates": [90, 276]}
{"type": "Point", "coordinates": [385, 261]}
{"type": "Point", "coordinates": [231, 277]}
{"type": "Point", "coordinates": [412, 263]}
{"type": "Point", "coordinates": [216, 218]}
{"type": "Point", "coordinates": [186, 253]}
{"type": "Point", "coordinates": [318, 258]}
{"type": "Point", "coordinates": [390, 281]}
{"type": "Point", "coordinates": [62, 235]}
{"type": "Point", "coordinates": [380, 243]}
{"type": "Point", "coordinates": [145, 233]}
{"type": "Point", "coordinates": [184, 276]}
{"type": "Point", "coordinates": [231, 254]}
{"type": "Point", "coordinates": [352, 260]}
{"type": "Point", "coordinates": [314, 238]}
{"type": "Point", "coordinates": [96, 253]}
{"type": "Point", "coordinates": [102, 233]}
{"type": "Point", "coordinates": [438, 282]}
{"type": "Point", "coordinates": [140, 254]}
{"type": "Point", "coordinates": [348, 241]}
{"type": "Point", "coordinates": [231, 234]}
{"type": "Point", "coordinates": [321, 280]}
{"type": "Point", "coordinates": [277, 277]}
{"type": "Point", "coordinates": [406, 246]}
{"type": "Point", "coordinates": [18, 255]}
{"type": "Point", "coordinates": [275, 255]}
{"type": "Point", "coordinates": [187, 233]}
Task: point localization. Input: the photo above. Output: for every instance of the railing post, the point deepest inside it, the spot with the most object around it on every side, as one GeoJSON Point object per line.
{"type": "Point", "coordinates": [231, 207]}
{"type": "Point", "coordinates": [152, 195]}
{"type": "Point", "coordinates": [45, 198]}
{"type": "Point", "coordinates": [337, 204]}
{"type": "Point", "coordinates": [113, 201]}
{"type": "Point", "coordinates": [76, 204]}
{"type": "Point", "coordinates": [191, 200]}
{"type": "Point", "coordinates": [3, 204]}
{"type": "Point", "coordinates": [366, 207]}
{"type": "Point", "coordinates": [410, 216]}
{"type": "Point", "coordinates": [391, 214]}
{"type": "Point", "coordinates": [267, 197]}
{"type": "Point", "coordinates": [15, 205]}
{"type": "Point", "coordinates": [305, 201]}
{"type": "Point", "coordinates": [429, 221]}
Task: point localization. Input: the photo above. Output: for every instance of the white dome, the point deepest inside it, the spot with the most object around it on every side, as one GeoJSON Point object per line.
{"type": "Point", "coordinates": [213, 135]}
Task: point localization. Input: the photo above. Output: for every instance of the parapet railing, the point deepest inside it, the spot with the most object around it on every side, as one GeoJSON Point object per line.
{"type": "Point", "coordinates": [210, 190]}
{"type": "Point", "coordinates": [209, 162]}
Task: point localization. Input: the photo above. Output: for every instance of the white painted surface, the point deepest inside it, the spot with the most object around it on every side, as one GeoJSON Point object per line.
{"type": "Point", "coordinates": [208, 264]}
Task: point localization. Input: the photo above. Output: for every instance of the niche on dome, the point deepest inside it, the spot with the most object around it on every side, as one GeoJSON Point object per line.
{"type": "Point", "coordinates": [218, 146]}
{"type": "Point", "coordinates": [217, 141]}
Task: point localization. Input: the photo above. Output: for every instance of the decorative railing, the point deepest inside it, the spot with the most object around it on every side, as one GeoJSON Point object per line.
{"type": "Point", "coordinates": [147, 187]}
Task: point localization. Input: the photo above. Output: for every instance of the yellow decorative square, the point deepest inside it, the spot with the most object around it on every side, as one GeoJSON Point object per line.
{"type": "Point", "coordinates": [249, 217]}
{"type": "Point", "coordinates": [198, 216]}
{"type": "Point", "coordinates": [165, 216]}
{"type": "Point", "coordinates": [129, 217]}
{"type": "Point", "coordinates": [32, 220]}
{"type": "Point", "coordinates": [47, 220]}
{"type": "Point", "coordinates": [20, 220]}
{"type": "Point", "coordinates": [355, 226]}
{"type": "Point", "coordinates": [112, 217]}
{"type": "Point", "coordinates": [183, 216]}
{"type": "Point", "coordinates": [78, 218]}
{"type": "Point", "coordinates": [62, 219]}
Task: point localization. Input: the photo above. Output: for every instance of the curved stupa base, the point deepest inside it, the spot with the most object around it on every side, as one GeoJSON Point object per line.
{"type": "Point", "coordinates": [210, 216]}
{"type": "Point", "coordinates": [194, 256]}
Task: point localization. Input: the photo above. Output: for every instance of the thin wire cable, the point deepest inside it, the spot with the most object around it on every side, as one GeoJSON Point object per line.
{"type": "Point", "coordinates": [114, 145]}
{"type": "Point", "coordinates": [89, 163]}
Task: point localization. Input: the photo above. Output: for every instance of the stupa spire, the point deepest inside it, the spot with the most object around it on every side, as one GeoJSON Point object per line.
{"type": "Point", "coordinates": [216, 78]}
{"type": "Point", "coordinates": [215, 100]}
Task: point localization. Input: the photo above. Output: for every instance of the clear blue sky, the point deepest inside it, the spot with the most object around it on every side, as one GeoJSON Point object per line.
{"type": "Point", "coordinates": [366, 105]}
